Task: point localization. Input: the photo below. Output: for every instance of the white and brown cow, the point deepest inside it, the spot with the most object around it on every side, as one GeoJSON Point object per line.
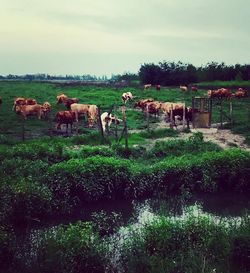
{"type": "Point", "coordinates": [127, 96]}
{"type": "Point", "coordinates": [107, 119]}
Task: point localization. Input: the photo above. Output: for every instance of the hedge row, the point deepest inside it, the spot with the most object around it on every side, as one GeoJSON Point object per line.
{"type": "Point", "coordinates": [62, 186]}
{"type": "Point", "coordinates": [98, 178]}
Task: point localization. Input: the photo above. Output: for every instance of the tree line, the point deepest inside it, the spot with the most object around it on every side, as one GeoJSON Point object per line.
{"type": "Point", "coordinates": [175, 73]}
{"type": "Point", "coordinates": [164, 73]}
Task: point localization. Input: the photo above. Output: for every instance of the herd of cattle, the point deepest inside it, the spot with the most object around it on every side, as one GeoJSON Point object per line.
{"type": "Point", "coordinates": [171, 110]}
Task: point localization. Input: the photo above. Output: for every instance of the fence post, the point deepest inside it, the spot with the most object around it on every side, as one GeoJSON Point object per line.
{"type": "Point", "coordinates": [147, 118]}
{"type": "Point", "coordinates": [221, 113]}
{"type": "Point", "coordinates": [184, 115]}
{"type": "Point", "coordinates": [125, 126]}
{"type": "Point", "coordinates": [23, 128]}
{"type": "Point", "coordinates": [171, 116]}
{"type": "Point", "coordinates": [99, 121]}
{"type": "Point", "coordinates": [116, 127]}
{"type": "Point", "coordinates": [231, 111]}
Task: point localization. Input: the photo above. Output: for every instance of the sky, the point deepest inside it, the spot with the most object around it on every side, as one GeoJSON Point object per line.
{"type": "Point", "coordinates": [101, 37]}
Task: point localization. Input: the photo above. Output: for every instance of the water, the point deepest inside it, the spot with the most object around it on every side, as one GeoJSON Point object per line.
{"type": "Point", "coordinates": [126, 219]}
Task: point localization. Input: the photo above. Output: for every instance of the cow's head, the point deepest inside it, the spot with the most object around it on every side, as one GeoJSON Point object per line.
{"type": "Point", "coordinates": [61, 98]}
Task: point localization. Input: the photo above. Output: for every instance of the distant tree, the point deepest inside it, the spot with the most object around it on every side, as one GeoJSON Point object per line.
{"type": "Point", "coordinates": [150, 73]}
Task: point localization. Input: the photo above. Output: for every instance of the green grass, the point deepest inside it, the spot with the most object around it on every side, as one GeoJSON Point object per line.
{"type": "Point", "coordinates": [233, 84]}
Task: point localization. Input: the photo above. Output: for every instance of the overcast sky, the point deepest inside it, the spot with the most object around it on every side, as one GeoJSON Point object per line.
{"type": "Point", "coordinates": [113, 36]}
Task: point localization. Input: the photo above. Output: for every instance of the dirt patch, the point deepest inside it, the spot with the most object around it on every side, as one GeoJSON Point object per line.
{"type": "Point", "coordinates": [222, 137]}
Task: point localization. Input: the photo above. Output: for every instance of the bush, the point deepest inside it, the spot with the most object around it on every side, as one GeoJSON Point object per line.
{"type": "Point", "coordinates": [18, 168]}
{"type": "Point", "coordinates": [89, 179]}
{"type": "Point", "coordinates": [166, 244]}
{"type": "Point", "coordinates": [73, 249]}
{"type": "Point", "coordinates": [178, 147]}
{"type": "Point", "coordinates": [25, 202]}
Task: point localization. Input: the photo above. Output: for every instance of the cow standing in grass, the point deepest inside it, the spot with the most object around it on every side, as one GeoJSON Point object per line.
{"type": "Point", "coordinates": [126, 97]}
{"type": "Point", "coordinates": [147, 86]}
{"type": "Point", "coordinates": [23, 101]}
{"type": "Point", "coordinates": [30, 110]}
{"type": "Point", "coordinates": [89, 110]}
{"type": "Point", "coordinates": [65, 117]}
{"type": "Point", "coordinates": [107, 119]}
{"type": "Point", "coordinates": [66, 100]}
{"type": "Point", "coordinates": [184, 88]}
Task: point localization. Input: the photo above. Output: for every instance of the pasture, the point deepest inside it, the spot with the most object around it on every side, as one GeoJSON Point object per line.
{"type": "Point", "coordinates": [105, 97]}
{"type": "Point", "coordinates": [49, 182]}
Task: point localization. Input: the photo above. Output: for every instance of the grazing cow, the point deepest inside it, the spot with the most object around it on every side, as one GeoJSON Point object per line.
{"type": "Point", "coordinates": [107, 119]}
{"type": "Point", "coordinates": [92, 114]}
{"type": "Point", "coordinates": [240, 93]}
{"type": "Point", "coordinates": [23, 101]}
{"type": "Point", "coordinates": [194, 88]}
{"type": "Point", "coordinates": [66, 101]}
{"type": "Point", "coordinates": [126, 97]}
{"type": "Point", "coordinates": [70, 101]}
{"type": "Point", "coordinates": [61, 98]}
{"type": "Point", "coordinates": [166, 107]}
{"type": "Point", "coordinates": [46, 108]}
{"type": "Point", "coordinates": [147, 86]}
{"type": "Point", "coordinates": [79, 109]}
{"type": "Point", "coordinates": [65, 117]}
{"type": "Point", "coordinates": [158, 87]}
{"type": "Point", "coordinates": [153, 107]}
{"type": "Point", "coordinates": [183, 88]}
{"type": "Point", "coordinates": [28, 110]}
{"type": "Point", "coordinates": [142, 103]}
{"type": "Point", "coordinates": [178, 113]}
{"type": "Point", "coordinates": [220, 93]}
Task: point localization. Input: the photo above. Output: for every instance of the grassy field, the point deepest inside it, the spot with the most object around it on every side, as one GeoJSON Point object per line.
{"type": "Point", "coordinates": [105, 97]}
{"type": "Point", "coordinates": [47, 177]}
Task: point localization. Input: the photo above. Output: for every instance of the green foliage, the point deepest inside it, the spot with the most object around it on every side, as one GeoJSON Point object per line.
{"type": "Point", "coordinates": [24, 201]}
{"type": "Point", "coordinates": [194, 242]}
{"type": "Point", "coordinates": [176, 147]}
{"type": "Point", "coordinates": [73, 249]}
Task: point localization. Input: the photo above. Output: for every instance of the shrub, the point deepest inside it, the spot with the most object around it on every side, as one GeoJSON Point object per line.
{"type": "Point", "coordinates": [92, 179]}
{"type": "Point", "coordinates": [18, 168]}
{"type": "Point", "coordinates": [71, 249]}
{"type": "Point", "coordinates": [28, 202]}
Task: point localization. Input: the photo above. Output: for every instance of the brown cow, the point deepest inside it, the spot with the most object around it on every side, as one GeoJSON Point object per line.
{"type": "Point", "coordinates": [79, 109]}
{"type": "Point", "coordinates": [70, 101]}
{"type": "Point", "coordinates": [158, 87]}
{"type": "Point", "coordinates": [92, 114]}
{"type": "Point", "coordinates": [220, 93]}
{"type": "Point", "coordinates": [28, 110]}
{"type": "Point", "coordinates": [46, 108]}
{"type": "Point", "coordinates": [153, 107]}
{"type": "Point", "coordinates": [240, 93]}
{"type": "Point", "coordinates": [61, 98]}
{"type": "Point", "coordinates": [142, 103]}
{"type": "Point", "coordinates": [178, 112]}
{"type": "Point", "coordinates": [66, 101]}
{"type": "Point", "coordinates": [23, 101]}
{"type": "Point", "coordinates": [194, 88]}
{"type": "Point", "coordinates": [65, 117]}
